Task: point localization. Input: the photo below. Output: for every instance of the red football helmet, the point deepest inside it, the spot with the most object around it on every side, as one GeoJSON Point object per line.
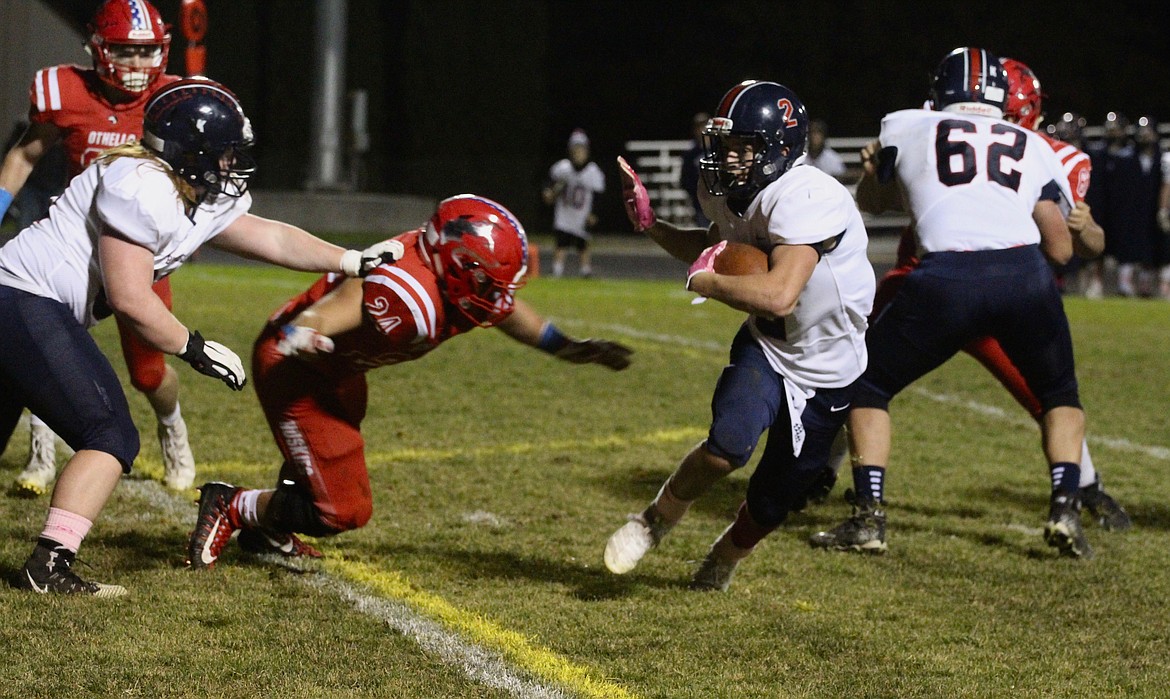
{"type": "Point", "coordinates": [1023, 102]}
{"type": "Point", "coordinates": [122, 31]}
{"type": "Point", "coordinates": [479, 252]}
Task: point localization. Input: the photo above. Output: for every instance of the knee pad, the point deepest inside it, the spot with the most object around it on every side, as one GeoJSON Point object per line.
{"type": "Point", "coordinates": [146, 374]}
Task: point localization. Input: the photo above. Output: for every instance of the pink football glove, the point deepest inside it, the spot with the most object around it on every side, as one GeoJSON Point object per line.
{"type": "Point", "coordinates": [637, 201]}
{"type": "Point", "coordinates": [705, 263]}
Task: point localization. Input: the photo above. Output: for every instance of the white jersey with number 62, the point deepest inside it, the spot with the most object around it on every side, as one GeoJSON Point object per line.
{"type": "Point", "coordinates": [972, 181]}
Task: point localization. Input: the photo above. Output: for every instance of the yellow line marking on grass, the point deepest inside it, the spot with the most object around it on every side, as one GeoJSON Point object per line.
{"type": "Point", "coordinates": [666, 436]}
{"type": "Point", "coordinates": [678, 434]}
{"type": "Point", "coordinates": [533, 658]}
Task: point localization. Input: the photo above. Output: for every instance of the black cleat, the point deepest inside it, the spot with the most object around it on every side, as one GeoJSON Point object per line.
{"type": "Point", "coordinates": [1063, 530]}
{"type": "Point", "coordinates": [1103, 508]}
{"type": "Point", "coordinates": [50, 570]}
{"type": "Point", "coordinates": [864, 531]}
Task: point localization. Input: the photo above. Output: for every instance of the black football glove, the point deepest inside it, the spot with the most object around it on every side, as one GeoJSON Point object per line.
{"type": "Point", "coordinates": [214, 360]}
{"type": "Point", "coordinates": [589, 351]}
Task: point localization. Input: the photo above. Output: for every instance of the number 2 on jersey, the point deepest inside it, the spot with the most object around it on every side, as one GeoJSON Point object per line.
{"type": "Point", "coordinates": [998, 171]}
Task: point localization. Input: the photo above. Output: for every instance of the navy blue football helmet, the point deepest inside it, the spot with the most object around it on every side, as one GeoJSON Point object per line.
{"type": "Point", "coordinates": [199, 128]}
{"type": "Point", "coordinates": [970, 81]}
{"type": "Point", "coordinates": [770, 119]}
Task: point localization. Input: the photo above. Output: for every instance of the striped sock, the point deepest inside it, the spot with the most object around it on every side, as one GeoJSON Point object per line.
{"type": "Point", "coordinates": [869, 483]}
{"type": "Point", "coordinates": [1066, 477]}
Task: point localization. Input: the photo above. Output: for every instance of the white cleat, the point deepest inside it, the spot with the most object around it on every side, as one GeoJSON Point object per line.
{"type": "Point", "coordinates": [629, 543]}
{"type": "Point", "coordinates": [37, 477]}
{"type": "Point", "coordinates": [178, 461]}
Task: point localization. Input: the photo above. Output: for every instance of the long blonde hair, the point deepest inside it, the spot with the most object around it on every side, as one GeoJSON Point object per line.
{"type": "Point", "coordinates": [135, 149]}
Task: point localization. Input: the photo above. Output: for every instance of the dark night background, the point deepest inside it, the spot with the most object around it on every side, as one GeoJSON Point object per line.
{"type": "Point", "coordinates": [481, 96]}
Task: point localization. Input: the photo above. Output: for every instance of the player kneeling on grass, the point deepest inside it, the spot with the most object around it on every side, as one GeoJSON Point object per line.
{"type": "Point", "coordinates": [460, 271]}
{"type": "Point", "coordinates": [794, 361]}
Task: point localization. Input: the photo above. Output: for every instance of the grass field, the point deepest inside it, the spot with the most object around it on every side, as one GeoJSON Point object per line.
{"type": "Point", "coordinates": [498, 474]}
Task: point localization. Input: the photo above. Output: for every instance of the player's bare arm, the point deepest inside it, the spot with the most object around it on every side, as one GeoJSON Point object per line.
{"type": "Point", "coordinates": [684, 244]}
{"type": "Point", "coordinates": [337, 312]}
{"type": "Point", "coordinates": [311, 332]}
{"type": "Point", "coordinates": [1088, 238]}
{"type": "Point", "coordinates": [772, 294]}
{"type": "Point", "coordinates": [127, 275]}
{"type": "Point", "coordinates": [283, 244]}
{"type": "Point", "coordinates": [529, 327]}
{"type": "Point", "coordinates": [20, 161]}
{"type": "Point", "coordinates": [877, 194]}
{"type": "Point", "coordinates": [1055, 240]}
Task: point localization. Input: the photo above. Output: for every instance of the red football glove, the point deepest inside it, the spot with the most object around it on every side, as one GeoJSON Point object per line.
{"type": "Point", "coordinates": [634, 196]}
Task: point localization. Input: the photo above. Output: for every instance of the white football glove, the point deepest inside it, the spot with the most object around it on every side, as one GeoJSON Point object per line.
{"type": "Point", "coordinates": [359, 264]}
{"type": "Point", "coordinates": [298, 339]}
{"type": "Point", "coordinates": [214, 360]}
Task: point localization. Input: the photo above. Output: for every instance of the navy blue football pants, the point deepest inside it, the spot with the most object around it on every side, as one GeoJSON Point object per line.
{"type": "Point", "coordinates": [750, 399]}
{"type": "Point", "coordinates": [51, 365]}
{"type": "Point", "coordinates": [952, 298]}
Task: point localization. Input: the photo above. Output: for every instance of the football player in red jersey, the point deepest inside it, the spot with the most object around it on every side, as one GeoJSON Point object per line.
{"type": "Point", "coordinates": [460, 271]}
{"type": "Point", "coordinates": [89, 110]}
{"type": "Point", "coordinates": [1022, 106]}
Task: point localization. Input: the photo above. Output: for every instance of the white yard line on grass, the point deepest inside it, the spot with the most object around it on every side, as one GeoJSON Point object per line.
{"type": "Point", "coordinates": [485, 651]}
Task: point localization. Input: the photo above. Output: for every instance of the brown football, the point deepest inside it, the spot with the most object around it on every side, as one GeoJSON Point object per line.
{"type": "Point", "coordinates": [741, 258]}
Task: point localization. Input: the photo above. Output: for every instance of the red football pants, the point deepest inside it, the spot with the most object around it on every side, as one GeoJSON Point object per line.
{"type": "Point", "coordinates": [316, 421]}
{"type": "Point", "coordinates": [146, 364]}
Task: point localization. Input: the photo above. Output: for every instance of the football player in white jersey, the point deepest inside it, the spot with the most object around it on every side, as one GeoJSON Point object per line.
{"type": "Point", "coordinates": [796, 358]}
{"type": "Point", "coordinates": [988, 199]}
{"type": "Point", "coordinates": [573, 182]}
{"type": "Point", "coordinates": [129, 219]}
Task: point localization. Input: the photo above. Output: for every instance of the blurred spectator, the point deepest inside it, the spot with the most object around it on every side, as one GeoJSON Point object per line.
{"type": "Point", "coordinates": [1164, 226]}
{"type": "Point", "coordinates": [1124, 207]}
{"type": "Point", "coordinates": [689, 178]}
{"type": "Point", "coordinates": [572, 183]}
{"type": "Point", "coordinates": [820, 155]}
{"type": "Point", "coordinates": [1149, 155]}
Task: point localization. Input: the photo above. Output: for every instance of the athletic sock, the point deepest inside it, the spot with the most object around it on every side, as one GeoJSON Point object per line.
{"type": "Point", "coordinates": [745, 532]}
{"type": "Point", "coordinates": [66, 528]}
{"type": "Point", "coordinates": [1066, 477]}
{"type": "Point", "coordinates": [170, 420]}
{"type": "Point", "coordinates": [869, 483]}
{"type": "Point", "coordinates": [245, 503]}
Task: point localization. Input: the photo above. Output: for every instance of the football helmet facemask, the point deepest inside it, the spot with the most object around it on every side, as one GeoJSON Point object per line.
{"type": "Point", "coordinates": [479, 252]}
{"type": "Point", "coordinates": [970, 81]}
{"type": "Point", "coordinates": [199, 128]}
{"type": "Point", "coordinates": [758, 132]}
{"type": "Point", "coordinates": [1024, 96]}
{"type": "Point", "coordinates": [129, 44]}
